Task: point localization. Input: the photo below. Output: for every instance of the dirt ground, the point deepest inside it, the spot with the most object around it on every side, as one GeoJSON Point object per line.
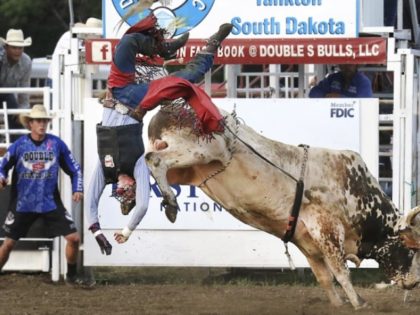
{"type": "Point", "coordinates": [193, 291]}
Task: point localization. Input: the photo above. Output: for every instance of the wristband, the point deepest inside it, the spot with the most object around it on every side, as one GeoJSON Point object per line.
{"type": "Point", "coordinates": [126, 232]}
{"type": "Point", "coordinates": [97, 233]}
{"type": "Point", "coordinates": [94, 227]}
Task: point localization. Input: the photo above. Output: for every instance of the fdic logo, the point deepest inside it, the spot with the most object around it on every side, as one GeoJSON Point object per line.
{"type": "Point", "coordinates": [192, 13]}
{"type": "Point", "coordinates": [341, 110]}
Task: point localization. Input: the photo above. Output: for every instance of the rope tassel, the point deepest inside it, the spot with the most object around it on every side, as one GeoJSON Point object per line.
{"type": "Point", "coordinates": [289, 258]}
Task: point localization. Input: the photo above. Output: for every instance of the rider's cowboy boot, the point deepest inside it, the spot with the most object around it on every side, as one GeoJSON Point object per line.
{"type": "Point", "coordinates": [169, 48]}
{"type": "Point", "coordinates": [216, 39]}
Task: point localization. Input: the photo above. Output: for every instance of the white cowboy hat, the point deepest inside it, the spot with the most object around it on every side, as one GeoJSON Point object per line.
{"type": "Point", "coordinates": [15, 38]}
{"type": "Point", "coordinates": [91, 23]}
{"type": "Point", "coordinates": [37, 112]}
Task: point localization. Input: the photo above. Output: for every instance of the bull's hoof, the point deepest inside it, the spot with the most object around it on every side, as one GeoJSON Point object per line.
{"type": "Point", "coordinates": [361, 304]}
{"type": "Point", "coordinates": [365, 305]}
{"type": "Point", "coordinates": [171, 211]}
{"type": "Point", "coordinates": [171, 214]}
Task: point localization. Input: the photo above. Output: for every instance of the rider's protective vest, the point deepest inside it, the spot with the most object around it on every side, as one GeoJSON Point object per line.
{"type": "Point", "coordinates": [119, 148]}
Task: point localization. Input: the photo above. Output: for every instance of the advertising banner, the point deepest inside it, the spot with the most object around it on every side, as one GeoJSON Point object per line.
{"type": "Point", "coordinates": [330, 123]}
{"type": "Point", "coordinates": [205, 234]}
{"type": "Point", "coordinates": [251, 18]}
{"type": "Point", "coordinates": [365, 50]}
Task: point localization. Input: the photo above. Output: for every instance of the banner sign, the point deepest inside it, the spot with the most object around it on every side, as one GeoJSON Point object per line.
{"type": "Point", "coordinates": [204, 233]}
{"type": "Point", "coordinates": [331, 123]}
{"type": "Point", "coordinates": [364, 50]}
{"type": "Point", "coordinates": [251, 18]}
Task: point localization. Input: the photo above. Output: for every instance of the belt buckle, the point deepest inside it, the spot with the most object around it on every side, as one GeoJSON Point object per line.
{"type": "Point", "coordinates": [120, 108]}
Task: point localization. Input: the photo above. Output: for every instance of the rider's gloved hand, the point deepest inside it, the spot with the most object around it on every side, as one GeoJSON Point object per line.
{"type": "Point", "coordinates": [104, 245]}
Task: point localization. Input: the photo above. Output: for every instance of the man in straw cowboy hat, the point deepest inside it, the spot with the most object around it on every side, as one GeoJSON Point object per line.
{"type": "Point", "coordinates": [15, 71]}
{"type": "Point", "coordinates": [36, 159]}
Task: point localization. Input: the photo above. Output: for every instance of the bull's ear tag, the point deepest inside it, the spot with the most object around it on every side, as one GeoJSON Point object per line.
{"type": "Point", "coordinates": [109, 161]}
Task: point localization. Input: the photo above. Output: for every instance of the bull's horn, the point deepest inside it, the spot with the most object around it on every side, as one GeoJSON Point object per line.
{"type": "Point", "coordinates": [354, 259]}
{"type": "Point", "coordinates": [412, 219]}
{"type": "Point", "coordinates": [406, 221]}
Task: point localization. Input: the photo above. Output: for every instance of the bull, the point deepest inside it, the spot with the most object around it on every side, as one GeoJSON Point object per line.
{"type": "Point", "coordinates": [344, 215]}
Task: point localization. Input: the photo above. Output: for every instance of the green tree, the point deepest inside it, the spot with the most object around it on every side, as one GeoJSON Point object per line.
{"type": "Point", "coordinates": [44, 20]}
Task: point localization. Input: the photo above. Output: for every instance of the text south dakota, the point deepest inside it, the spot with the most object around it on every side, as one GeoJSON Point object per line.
{"type": "Point", "coordinates": [271, 26]}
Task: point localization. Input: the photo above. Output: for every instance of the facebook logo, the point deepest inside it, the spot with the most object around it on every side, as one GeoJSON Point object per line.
{"type": "Point", "coordinates": [101, 51]}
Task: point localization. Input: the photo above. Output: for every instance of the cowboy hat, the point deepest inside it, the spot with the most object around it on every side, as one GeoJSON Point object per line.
{"type": "Point", "coordinates": [37, 112]}
{"type": "Point", "coordinates": [90, 22]}
{"type": "Point", "coordinates": [15, 38]}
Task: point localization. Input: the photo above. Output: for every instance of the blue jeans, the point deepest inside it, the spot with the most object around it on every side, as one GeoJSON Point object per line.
{"type": "Point", "coordinates": [124, 59]}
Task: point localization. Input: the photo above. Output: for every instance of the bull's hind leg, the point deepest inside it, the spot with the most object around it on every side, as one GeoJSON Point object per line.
{"type": "Point", "coordinates": [329, 235]}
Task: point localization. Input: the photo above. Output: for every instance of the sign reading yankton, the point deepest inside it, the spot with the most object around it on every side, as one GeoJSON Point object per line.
{"type": "Point", "coordinates": [364, 50]}
{"type": "Point", "coordinates": [250, 18]}
{"type": "Point", "coordinates": [264, 31]}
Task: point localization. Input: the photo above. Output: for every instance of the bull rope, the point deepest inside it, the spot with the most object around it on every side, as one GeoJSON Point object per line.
{"type": "Point", "coordinates": [294, 212]}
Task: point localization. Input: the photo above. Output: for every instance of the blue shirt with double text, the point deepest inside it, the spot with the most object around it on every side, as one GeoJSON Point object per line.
{"type": "Point", "coordinates": [36, 167]}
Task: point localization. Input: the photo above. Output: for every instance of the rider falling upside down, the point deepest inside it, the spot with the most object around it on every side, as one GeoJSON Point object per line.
{"type": "Point", "coordinates": [120, 146]}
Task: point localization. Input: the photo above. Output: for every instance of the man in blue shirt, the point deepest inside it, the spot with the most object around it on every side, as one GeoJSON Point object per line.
{"type": "Point", "coordinates": [348, 82]}
{"type": "Point", "coordinates": [36, 159]}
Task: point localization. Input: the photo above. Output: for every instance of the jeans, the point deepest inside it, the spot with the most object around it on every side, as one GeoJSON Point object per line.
{"type": "Point", "coordinates": [131, 44]}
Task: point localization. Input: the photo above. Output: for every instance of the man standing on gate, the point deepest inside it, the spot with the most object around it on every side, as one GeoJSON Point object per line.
{"type": "Point", "coordinates": [15, 71]}
{"type": "Point", "coordinates": [36, 159]}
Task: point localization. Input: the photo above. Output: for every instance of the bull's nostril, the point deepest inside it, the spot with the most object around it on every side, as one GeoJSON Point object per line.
{"type": "Point", "coordinates": [160, 145]}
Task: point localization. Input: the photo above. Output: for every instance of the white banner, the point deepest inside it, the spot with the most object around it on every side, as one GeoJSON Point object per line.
{"type": "Point", "coordinates": [205, 236]}
{"type": "Point", "coordinates": [331, 123]}
{"type": "Point", "coordinates": [251, 18]}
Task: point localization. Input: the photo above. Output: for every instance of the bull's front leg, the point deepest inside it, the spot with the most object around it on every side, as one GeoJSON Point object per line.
{"type": "Point", "coordinates": [329, 235]}
{"type": "Point", "coordinates": [159, 169]}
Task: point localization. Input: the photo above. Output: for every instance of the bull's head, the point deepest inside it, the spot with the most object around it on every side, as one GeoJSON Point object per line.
{"type": "Point", "coordinates": [409, 228]}
{"type": "Point", "coordinates": [409, 231]}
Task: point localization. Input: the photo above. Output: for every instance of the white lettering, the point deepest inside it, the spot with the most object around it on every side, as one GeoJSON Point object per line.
{"type": "Point", "coordinates": [231, 51]}
{"type": "Point", "coordinates": [126, 3]}
{"type": "Point", "coordinates": [332, 50]}
{"type": "Point", "coordinates": [273, 3]}
{"type": "Point", "coordinates": [366, 51]}
{"type": "Point", "coordinates": [202, 5]}
{"type": "Point", "coordinates": [282, 51]}
{"type": "Point", "coordinates": [310, 49]}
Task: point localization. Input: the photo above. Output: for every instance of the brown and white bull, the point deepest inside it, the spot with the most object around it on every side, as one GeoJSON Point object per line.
{"type": "Point", "coordinates": [344, 214]}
